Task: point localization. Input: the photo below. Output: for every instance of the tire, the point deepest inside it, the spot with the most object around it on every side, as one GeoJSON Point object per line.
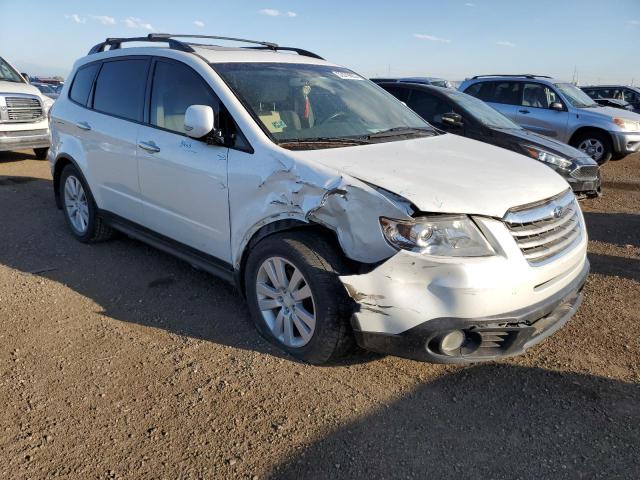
{"type": "Point", "coordinates": [318, 263]}
{"type": "Point", "coordinates": [95, 229]}
{"type": "Point", "coordinates": [595, 144]}
{"type": "Point", "coordinates": [41, 153]}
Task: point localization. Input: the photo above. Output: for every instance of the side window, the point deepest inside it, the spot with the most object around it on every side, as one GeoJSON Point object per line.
{"type": "Point", "coordinates": [82, 82]}
{"type": "Point", "coordinates": [429, 107]}
{"type": "Point", "coordinates": [481, 90]}
{"type": "Point", "coordinates": [175, 88]}
{"type": "Point", "coordinates": [631, 97]}
{"type": "Point", "coordinates": [506, 92]}
{"type": "Point", "coordinates": [120, 88]}
{"type": "Point", "coordinates": [401, 93]}
{"type": "Point", "coordinates": [537, 95]}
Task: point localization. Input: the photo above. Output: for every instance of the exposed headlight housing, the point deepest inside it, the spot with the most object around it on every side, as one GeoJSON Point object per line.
{"type": "Point", "coordinates": [446, 235]}
{"type": "Point", "coordinates": [547, 157]}
{"type": "Point", "coordinates": [627, 125]}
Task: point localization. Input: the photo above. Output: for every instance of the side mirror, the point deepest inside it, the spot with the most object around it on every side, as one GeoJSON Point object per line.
{"type": "Point", "coordinates": [557, 106]}
{"type": "Point", "coordinates": [452, 120]}
{"type": "Point", "coordinates": [25, 76]}
{"type": "Point", "coordinates": [199, 121]}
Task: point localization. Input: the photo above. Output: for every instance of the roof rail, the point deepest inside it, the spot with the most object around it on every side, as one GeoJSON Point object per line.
{"type": "Point", "coordinates": [525, 75]}
{"type": "Point", "coordinates": [115, 43]}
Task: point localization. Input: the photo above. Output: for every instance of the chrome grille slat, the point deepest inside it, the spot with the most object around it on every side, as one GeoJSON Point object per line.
{"type": "Point", "coordinates": [23, 109]}
{"type": "Point", "coordinates": [547, 229]}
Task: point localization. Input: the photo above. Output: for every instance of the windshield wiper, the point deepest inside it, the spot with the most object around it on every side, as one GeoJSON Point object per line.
{"type": "Point", "coordinates": [341, 140]}
{"type": "Point", "coordinates": [401, 131]}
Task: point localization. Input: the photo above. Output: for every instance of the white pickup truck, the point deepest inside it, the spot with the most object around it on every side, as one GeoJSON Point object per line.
{"type": "Point", "coordinates": [23, 114]}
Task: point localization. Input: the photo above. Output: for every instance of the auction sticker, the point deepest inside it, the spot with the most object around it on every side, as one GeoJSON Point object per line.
{"type": "Point", "coordinates": [347, 75]}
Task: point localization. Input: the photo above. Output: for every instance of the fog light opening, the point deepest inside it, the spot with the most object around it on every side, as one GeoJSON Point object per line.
{"type": "Point", "coordinates": [451, 342]}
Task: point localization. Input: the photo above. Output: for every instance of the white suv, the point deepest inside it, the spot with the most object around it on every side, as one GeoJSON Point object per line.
{"type": "Point", "coordinates": [340, 214]}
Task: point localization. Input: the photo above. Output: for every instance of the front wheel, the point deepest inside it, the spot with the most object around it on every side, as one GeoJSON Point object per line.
{"type": "Point", "coordinates": [595, 144]}
{"type": "Point", "coordinates": [295, 296]}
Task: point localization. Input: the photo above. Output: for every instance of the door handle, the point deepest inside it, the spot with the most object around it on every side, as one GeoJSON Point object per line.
{"type": "Point", "coordinates": [83, 126]}
{"type": "Point", "coordinates": [149, 147]}
{"type": "Point", "coordinates": [524, 111]}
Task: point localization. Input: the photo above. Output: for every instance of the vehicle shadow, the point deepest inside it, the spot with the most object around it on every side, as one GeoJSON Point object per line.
{"type": "Point", "coordinates": [12, 157]}
{"type": "Point", "coordinates": [128, 280]}
{"type": "Point", "coordinates": [615, 228]}
{"type": "Point", "coordinates": [489, 421]}
{"type": "Point", "coordinates": [615, 266]}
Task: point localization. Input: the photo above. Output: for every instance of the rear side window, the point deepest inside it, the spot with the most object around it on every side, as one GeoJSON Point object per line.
{"type": "Point", "coordinates": [82, 82]}
{"type": "Point", "coordinates": [496, 92]}
{"type": "Point", "coordinates": [120, 88]}
{"type": "Point", "coordinates": [481, 90]}
{"type": "Point", "coordinates": [175, 88]}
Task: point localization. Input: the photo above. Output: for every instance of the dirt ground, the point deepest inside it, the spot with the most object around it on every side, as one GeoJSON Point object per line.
{"type": "Point", "coordinates": [118, 361]}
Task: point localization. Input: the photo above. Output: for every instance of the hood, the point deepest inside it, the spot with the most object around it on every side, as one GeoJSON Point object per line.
{"type": "Point", "coordinates": [446, 174]}
{"type": "Point", "coordinates": [13, 87]}
{"type": "Point", "coordinates": [550, 144]}
{"type": "Point", "coordinates": [610, 112]}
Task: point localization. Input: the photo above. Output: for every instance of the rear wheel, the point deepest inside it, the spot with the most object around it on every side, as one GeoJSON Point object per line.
{"type": "Point", "coordinates": [80, 209]}
{"type": "Point", "coordinates": [41, 153]}
{"type": "Point", "coordinates": [595, 144]}
{"type": "Point", "coordinates": [295, 296]}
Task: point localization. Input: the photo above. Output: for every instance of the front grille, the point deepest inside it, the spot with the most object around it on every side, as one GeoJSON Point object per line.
{"type": "Point", "coordinates": [24, 133]}
{"type": "Point", "coordinates": [586, 172]}
{"type": "Point", "coordinates": [546, 230]}
{"type": "Point", "coordinates": [23, 109]}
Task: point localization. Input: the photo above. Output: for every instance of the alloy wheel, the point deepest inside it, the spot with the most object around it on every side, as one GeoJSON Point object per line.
{"type": "Point", "coordinates": [286, 302]}
{"type": "Point", "coordinates": [76, 204]}
{"type": "Point", "coordinates": [592, 147]}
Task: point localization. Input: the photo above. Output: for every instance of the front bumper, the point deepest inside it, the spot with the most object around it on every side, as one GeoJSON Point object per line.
{"type": "Point", "coordinates": [488, 338]}
{"type": "Point", "coordinates": [590, 187]}
{"type": "Point", "coordinates": [22, 139]}
{"type": "Point", "coordinates": [626, 142]}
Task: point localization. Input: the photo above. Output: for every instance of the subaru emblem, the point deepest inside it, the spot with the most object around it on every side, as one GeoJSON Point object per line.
{"type": "Point", "coordinates": [557, 212]}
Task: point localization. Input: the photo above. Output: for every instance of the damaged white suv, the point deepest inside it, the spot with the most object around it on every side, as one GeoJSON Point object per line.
{"type": "Point", "coordinates": [341, 215]}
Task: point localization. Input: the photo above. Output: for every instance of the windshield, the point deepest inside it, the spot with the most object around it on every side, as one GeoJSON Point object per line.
{"type": "Point", "coordinates": [483, 112]}
{"type": "Point", "coordinates": [319, 103]}
{"type": "Point", "coordinates": [8, 74]}
{"type": "Point", "coordinates": [576, 97]}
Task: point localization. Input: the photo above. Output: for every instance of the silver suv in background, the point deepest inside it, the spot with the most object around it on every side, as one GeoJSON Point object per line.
{"type": "Point", "coordinates": [560, 110]}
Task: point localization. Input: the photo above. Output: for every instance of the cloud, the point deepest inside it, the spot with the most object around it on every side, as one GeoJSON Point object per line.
{"type": "Point", "coordinates": [133, 22]}
{"type": "Point", "coordinates": [104, 19]}
{"type": "Point", "coordinates": [431, 38]}
{"type": "Point", "coordinates": [198, 23]}
{"type": "Point", "coordinates": [76, 18]}
{"type": "Point", "coordinates": [506, 44]}
{"type": "Point", "coordinates": [469, 4]}
{"type": "Point", "coordinates": [635, 23]}
{"type": "Point", "coordinates": [272, 12]}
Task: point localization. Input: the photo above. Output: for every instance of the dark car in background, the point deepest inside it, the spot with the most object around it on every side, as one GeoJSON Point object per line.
{"type": "Point", "coordinates": [435, 81]}
{"type": "Point", "coordinates": [620, 93]}
{"type": "Point", "coordinates": [461, 114]}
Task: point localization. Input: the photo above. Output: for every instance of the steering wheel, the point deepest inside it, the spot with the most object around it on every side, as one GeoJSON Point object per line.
{"type": "Point", "coordinates": [336, 115]}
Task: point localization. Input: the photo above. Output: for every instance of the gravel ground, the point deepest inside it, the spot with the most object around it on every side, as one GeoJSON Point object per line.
{"type": "Point", "coordinates": [118, 361]}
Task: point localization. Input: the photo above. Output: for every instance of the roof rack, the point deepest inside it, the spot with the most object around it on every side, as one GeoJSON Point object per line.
{"type": "Point", "coordinates": [115, 43]}
{"type": "Point", "coordinates": [525, 75]}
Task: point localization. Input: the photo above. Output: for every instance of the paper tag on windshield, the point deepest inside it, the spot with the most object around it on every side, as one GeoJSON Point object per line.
{"type": "Point", "coordinates": [348, 75]}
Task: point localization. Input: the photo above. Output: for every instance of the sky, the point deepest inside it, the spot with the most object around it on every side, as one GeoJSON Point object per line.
{"type": "Point", "coordinates": [594, 41]}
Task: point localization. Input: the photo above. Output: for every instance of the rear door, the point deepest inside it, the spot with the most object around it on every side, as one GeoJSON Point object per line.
{"type": "Point", "coordinates": [535, 114]}
{"type": "Point", "coordinates": [504, 96]}
{"type": "Point", "coordinates": [109, 132]}
{"type": "Point", "coordinates": [183, 180]}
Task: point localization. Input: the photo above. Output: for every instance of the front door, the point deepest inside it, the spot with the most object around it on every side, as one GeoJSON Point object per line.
{"type": "Point", "coordinates": [535, 112]}
{"type": "Point", "coordinates": [183, 180]}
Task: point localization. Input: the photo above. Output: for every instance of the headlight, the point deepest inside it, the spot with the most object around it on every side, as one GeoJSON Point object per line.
{"type": "Point", "coordinates": [627, 125]}
{"type": "Point", "coordinates": [547, 157]}
{"type": "Point", "coordinates": [447, 235]}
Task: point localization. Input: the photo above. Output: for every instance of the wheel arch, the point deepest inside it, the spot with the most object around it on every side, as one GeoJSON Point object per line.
{"type": "Point", "coordinates": [62, 161]}
{"type": "Point", "coordinates": [275, 227]}
{"type": "Point", "coordinates": [582, 130]}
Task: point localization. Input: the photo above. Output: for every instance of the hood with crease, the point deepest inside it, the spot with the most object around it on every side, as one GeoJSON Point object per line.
{"type": "Point", "coordinates": [446, 173]}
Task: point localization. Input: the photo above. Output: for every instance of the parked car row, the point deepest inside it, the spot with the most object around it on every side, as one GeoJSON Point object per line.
{"type": "Point", "coordinates": [338, 212]}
